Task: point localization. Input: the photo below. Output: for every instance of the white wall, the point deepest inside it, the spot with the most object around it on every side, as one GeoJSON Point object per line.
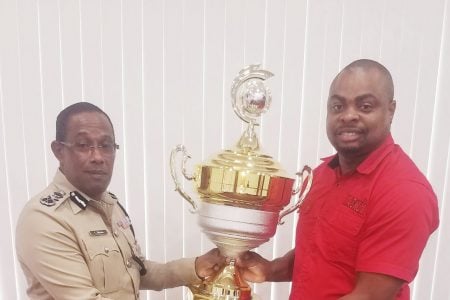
{"type": "Point", "coordinates": [163, 69]}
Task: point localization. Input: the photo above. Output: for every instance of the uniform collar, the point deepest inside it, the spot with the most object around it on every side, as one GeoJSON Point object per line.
{"type": "Point", "coordinates": [62, 184]}
{"type": "Point", "coordinates": [371, 161]}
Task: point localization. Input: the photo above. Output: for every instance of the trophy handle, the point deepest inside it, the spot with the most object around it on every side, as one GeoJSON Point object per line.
{"type": "Point", "coordinates": [301, 177]}
{"type": "Point", "coordinates": [174, 174]}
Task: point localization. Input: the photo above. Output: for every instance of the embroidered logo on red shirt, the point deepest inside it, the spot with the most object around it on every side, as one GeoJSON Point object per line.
{"type": "Point", "coordinates": [357, 205]}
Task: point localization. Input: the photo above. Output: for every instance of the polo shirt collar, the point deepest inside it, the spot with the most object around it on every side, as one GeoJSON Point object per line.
{"type": "Point", "coordinates": [371, 162]}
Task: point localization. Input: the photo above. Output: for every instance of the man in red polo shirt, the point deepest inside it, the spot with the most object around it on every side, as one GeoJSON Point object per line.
{"type": "Point", "coordinates": [370, 211]}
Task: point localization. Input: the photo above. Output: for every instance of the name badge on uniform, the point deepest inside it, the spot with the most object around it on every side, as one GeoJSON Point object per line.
{"type": "Point", "coordinates": [98, 232]}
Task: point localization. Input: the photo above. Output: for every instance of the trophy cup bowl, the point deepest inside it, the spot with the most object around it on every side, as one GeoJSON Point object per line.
{"type": "Point", "coordinates": [242, 193]}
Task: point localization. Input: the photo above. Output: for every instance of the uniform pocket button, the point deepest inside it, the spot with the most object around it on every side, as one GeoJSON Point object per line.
{"type": "Point", "coordinates": [128, 263]}
{"type": "Point", "coordinates": [106, 250]}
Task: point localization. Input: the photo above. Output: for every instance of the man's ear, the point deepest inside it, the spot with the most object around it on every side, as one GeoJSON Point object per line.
{"type": "Point", "coordinates": [392, 107]}
{"type": "Point", "coordinates": [57, 149]}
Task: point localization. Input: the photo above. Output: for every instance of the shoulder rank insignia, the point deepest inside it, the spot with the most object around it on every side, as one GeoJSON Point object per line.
{"type": "Point", "coordinates": [48, 201]}
{"type": "Point", "coordinates": [59, 194]}
{"type": "Point", "coordinates": [51, 200]}
{"type": "Point", "coordinates": [78, 199]}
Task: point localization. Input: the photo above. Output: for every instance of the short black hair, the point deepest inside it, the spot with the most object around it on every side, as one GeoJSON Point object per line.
{"type": "Point", "coordinates": [76, 108]}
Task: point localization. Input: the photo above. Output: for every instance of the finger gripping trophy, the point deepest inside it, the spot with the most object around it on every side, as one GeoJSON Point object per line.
{"type": "Point", "coordinates": [241, 192]}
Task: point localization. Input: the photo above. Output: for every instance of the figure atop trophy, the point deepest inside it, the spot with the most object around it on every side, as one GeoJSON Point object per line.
{"type": "Point", "coordinates": [250, 98]}
{"type": "Point", "coordinates": [241, 192]}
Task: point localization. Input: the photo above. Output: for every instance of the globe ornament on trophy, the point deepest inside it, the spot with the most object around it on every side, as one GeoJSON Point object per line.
{"type": "Point", "coordinates": [242, 193]}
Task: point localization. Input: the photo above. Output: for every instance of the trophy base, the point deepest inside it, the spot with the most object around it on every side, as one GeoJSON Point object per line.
{"type": "Point", "coordinates": [227, 285]}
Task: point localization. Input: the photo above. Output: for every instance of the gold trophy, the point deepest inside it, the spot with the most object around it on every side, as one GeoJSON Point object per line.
{"type": "Point", "coordinates": [241, 192]}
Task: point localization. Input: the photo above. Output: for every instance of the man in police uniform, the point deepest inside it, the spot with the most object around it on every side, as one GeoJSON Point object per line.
{"type": "Point", "coordinates": [74, 240]}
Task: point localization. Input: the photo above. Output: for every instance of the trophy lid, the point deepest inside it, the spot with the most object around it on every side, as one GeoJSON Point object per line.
{"type": "Point", "coordinates": [250, 161]}
{"type": "Point", "coordinates": [250, 98]}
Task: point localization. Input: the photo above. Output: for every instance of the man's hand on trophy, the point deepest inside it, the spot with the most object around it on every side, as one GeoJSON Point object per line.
{"type": "Point", "coordinates": [209, 263]}
{"type": "Point", "coordinates": [253, 267]}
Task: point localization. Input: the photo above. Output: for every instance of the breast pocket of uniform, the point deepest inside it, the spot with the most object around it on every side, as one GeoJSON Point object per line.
{"type": "Point", "coordinates": [105, 263]}
{"type": "Point", "coordinates": [340, 234]}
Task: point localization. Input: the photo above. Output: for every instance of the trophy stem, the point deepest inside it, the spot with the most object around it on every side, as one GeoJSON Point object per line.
{"type": "Point", "coordinates": [249, 140]}
{"type": "Point", "coordinates": [227, 285]}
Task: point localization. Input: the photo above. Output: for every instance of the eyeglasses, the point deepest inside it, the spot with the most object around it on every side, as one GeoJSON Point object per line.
{"type": "Point", "coordinates": [85, 148]}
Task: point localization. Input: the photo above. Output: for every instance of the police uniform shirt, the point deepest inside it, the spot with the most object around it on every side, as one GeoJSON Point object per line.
{"type": "Point", "coordinates": [73, 247]}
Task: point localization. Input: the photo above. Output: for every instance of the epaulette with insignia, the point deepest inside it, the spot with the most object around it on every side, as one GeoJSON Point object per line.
{"type": "Point", "coordinates": [78, 199]}
{"type": "Point", "coordinates": [52, 199]}
{"type": "Point", "coordinates": [112, 195]}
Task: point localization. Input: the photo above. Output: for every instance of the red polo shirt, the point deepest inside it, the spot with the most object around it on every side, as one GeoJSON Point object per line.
{"type": "Point", "coordinates": [376, 219]}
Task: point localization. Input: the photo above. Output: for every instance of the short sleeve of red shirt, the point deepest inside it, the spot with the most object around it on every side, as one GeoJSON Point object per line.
{"type": "Point", "coordinates": [397, 230]}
